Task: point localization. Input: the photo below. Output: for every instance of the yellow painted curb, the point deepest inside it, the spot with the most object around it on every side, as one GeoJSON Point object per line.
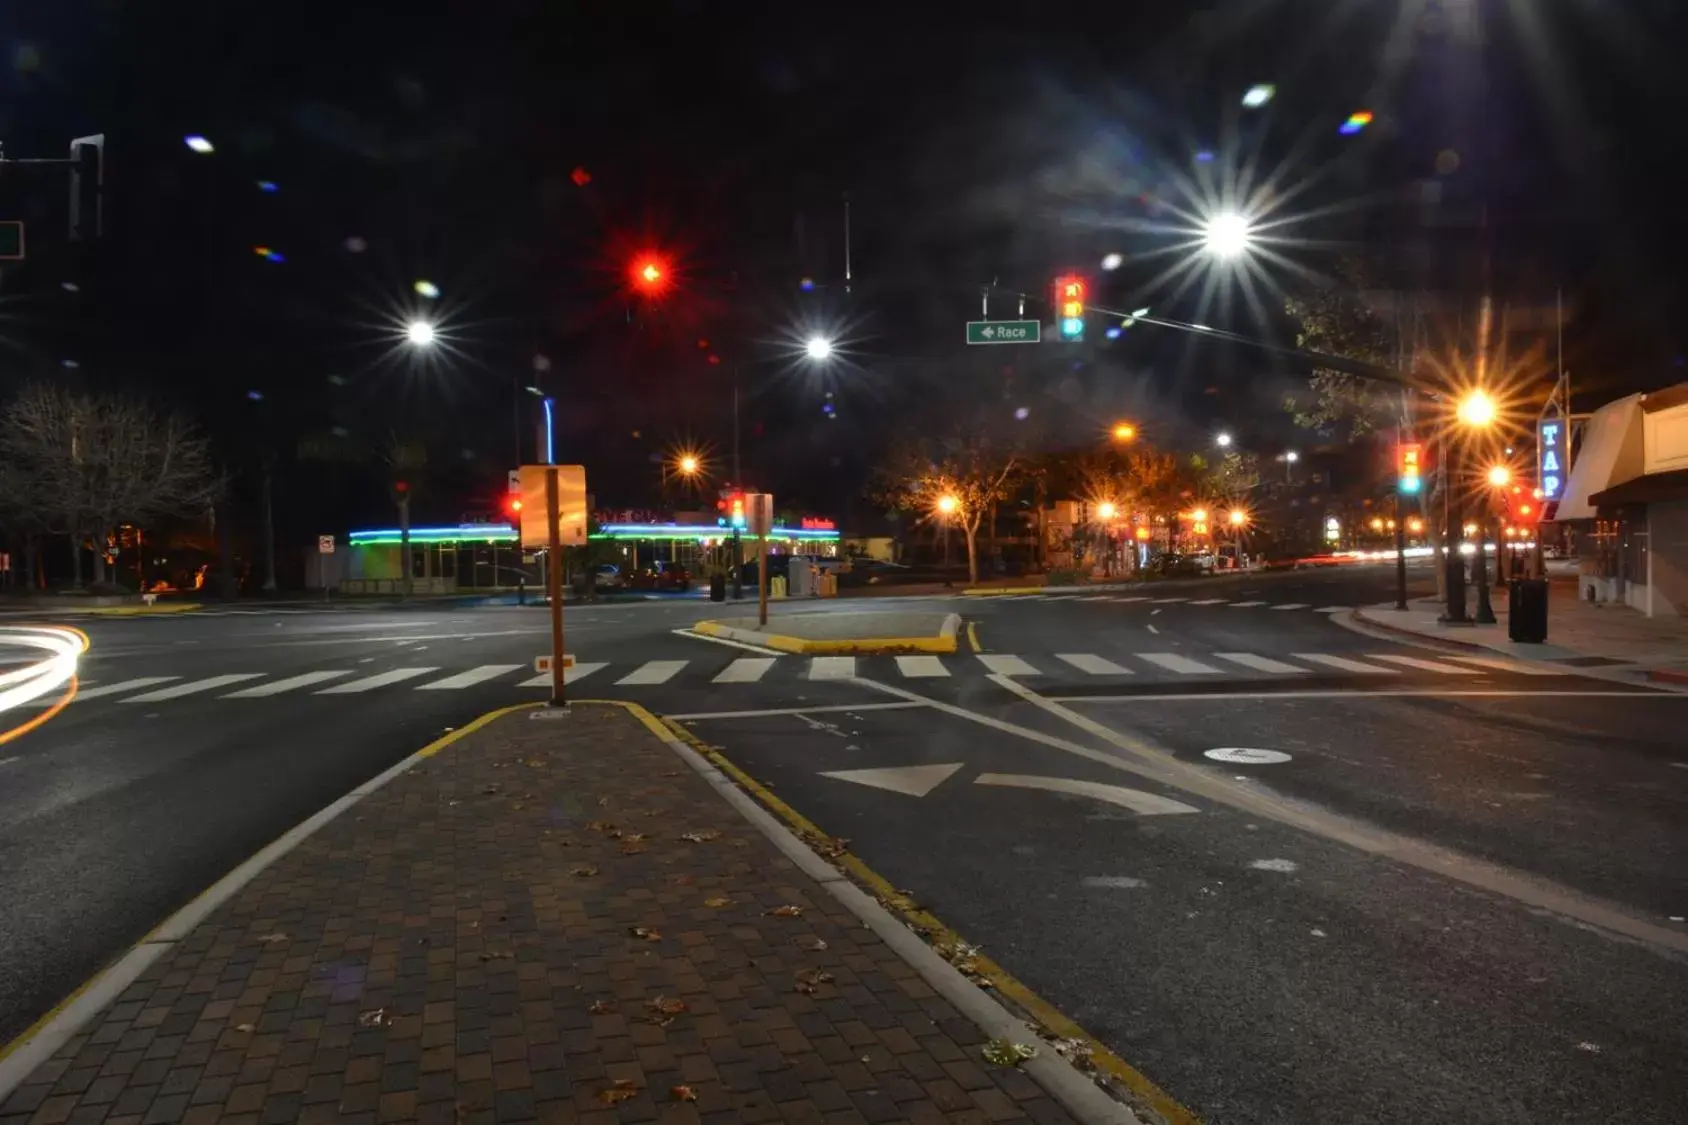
{"type": "Point", "coordinates": [858, 646]}
{"type": "Point", "coordinates": [936, 933]}
{"type": "Point", "coordinates": [139, 610]}
{"type": "Point", "coordinates": [999, 591]}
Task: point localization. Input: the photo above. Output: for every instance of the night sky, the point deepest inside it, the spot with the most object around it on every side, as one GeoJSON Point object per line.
{"type": "Point", "coordinates": [521, 154]}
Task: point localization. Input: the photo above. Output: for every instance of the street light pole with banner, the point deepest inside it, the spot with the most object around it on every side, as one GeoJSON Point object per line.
{"type": "Point", "coordinates": [554, 512]}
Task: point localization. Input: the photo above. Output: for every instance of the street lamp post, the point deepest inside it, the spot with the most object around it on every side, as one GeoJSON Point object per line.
{"type": "Point", "coordinates": [1475, 411]}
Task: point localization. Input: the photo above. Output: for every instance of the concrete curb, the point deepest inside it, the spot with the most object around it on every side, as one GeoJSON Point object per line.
{"type": "Point", "coordinates": [39, 1042]}
{"type": "Point", "coordinates": [944, 641]}
{"type": "Point", "coordinates": [1359, 614]}
{"type": "Point", "coordinates": [1076, 1092]}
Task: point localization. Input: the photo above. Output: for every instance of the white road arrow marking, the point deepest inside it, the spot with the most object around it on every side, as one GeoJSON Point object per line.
{"type": "Point", "coordinates": [1139, 802]}
{"type": "Point", "coordinates": [910, 781]}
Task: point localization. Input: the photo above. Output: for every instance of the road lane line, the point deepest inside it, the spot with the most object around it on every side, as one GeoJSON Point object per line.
{"type": "Point", "coordinates": [380, 679]}
{"type": "Point", "coordinates": [193, 687]}
{"type": "Point", "coordinates": [1165, 601]}
{"type": "Point", "coordinates": [1259, 663]}
{"type": "Point", "coordinates": [1333, 609]}
{"type": "Point", "coordinates": [1183, 665]}
{"type": "Point", "coordinates": [921, 667]}
{"type": "Point", "coordinates": [1092, 664]}
{"type": "Point", "coordinates": [477, 675]}
{"type": "Point", "coordinates": [276, 687]}
{"type": "Point", "coordinates": [832, 667]}
{"type": "Point", "coordinates": [1343, 664]}
{"type": "Point", "coordinates": [745, 670]}
{"type": "Point", "coordinates": [576, 671]}
{"type": "Point", "coordinates": [1139, 598]}
{"type": "Point", "coordinates": [1004, 665]}
{"type": "Point", "coordinates": [1422, 665]}
{"type": "Point", "coordinates": [125, 685]}
{"type": "Point", "coordinates": [1292, 605]}
{"type": "Point", "coordinates": [780, 712]}
{"type": "Point", "coordinates": [1514, 666]}
{"type": "Point", "coordinates": [1211, 601]}
{"type": "Point", "coordinates": [1139, 802]}
{"type": "Point", "coordinates": [652, 672]}
{"type": "Point", "coordinates": [1244, 605]}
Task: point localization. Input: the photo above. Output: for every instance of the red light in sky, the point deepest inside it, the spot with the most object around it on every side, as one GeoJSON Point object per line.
{"type": "Point", "coordinates": [650, 274]}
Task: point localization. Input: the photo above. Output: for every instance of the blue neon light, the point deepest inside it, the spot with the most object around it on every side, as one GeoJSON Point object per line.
{"type": "Point", "coordinates": [550, 448]}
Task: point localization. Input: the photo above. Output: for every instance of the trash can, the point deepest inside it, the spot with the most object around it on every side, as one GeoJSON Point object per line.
{"type": "Point", "coordinates": [717, 587]}
{"type": "Point", "coordinates": [1527, 601]}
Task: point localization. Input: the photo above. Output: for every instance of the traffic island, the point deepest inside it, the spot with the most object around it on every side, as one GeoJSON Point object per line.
{"type": "Point", "coordinates": [840, 633]}
{"type": "Point", "coordinates": [557, 915]}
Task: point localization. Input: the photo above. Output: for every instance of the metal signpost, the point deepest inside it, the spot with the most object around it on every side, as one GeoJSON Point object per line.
{"type": "Point", "coordinates": [325, 547]}
{"type": "Point", "coordinates": [554, 509]}
{"type": "Point", "coordinates": [1004, 332]}
{"type": "Point", "coordinates": [759, 514]}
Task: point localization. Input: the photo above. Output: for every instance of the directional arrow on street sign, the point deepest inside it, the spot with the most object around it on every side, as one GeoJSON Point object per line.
{"type": "Point", "coordinates": [917, 781]}
{"type": "Point", "coordinates": [910, 781]}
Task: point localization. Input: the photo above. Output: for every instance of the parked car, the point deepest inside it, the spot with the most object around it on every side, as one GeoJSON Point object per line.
{"type": "Point", "coordinates": [1183, 566]}
{"type": "Point", "coordinates": [607, 576]}
{"type": "Point", "coordinates": [662, 576]}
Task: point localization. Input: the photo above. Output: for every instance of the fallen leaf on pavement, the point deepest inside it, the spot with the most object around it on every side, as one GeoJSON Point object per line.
{"type": "Point", "coordinates": [701, 837]}
{"type": "Point", "coordinates": [620, 1092]}
{"type": "Point", "coordinates": [809, 980]}
{"type": "Point", "coordinates": [632, 849]}
{"type": "Point", "coordinates": [490, 789]}
{"type": "Point", "coordinates": [277, 936]}
{"type": "Point", "coordinates": [1004, 1052]}
{"type": "Point", "coordinates": [683, 880]}
{"type": "Point", "coordinates": [498, 955]}
{"type": "Point", "coordinates": [373, 1017]}
{"type": "Point", "coordinates": [601, 1008]}
{"type": "Point", "coordinates": [786, 911]}
{"type": "Point", "coordinates": [584, 870]}
{"type": "Point", "coordinates": [682, 1093]}
{"type": "Point", "coordinates": [245, 1027]}
{"type": "Point", "coordinates": [645, 932]}
{"type": "Point", "coordinates": [717, 902]}
{"type": "Point", "coordinates": [635, 837]}
{"type": "Point", "coordinates": [603, 801]}
{"type": "Point", "coordinates": [813, 945]}
{"type": "Point", "coordinates": [666, 1005]}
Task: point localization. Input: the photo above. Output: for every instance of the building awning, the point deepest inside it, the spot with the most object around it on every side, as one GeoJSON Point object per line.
{"type": "Point", "coordinates": [1650, 489]}
{"type": "Point", "coordinates": [1610, 454]}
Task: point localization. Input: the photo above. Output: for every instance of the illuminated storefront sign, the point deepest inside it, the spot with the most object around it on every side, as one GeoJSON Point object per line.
{"type": "Point", "coordinates": [1552, 455]}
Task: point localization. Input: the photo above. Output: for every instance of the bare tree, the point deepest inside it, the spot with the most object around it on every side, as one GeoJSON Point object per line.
{"type": "Point", "coordinates": [960, 477]}
{"type": "Point", "coordinates": [80, 463]}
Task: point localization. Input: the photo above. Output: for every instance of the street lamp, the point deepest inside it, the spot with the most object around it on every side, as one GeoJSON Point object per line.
{"type": "Point", "coordinates": [199, 144]}
{"type": "Point", "coordinates": [1500, 476]}
{"type": "Point", "coordinates": [688, 464]}
{"type": "Point", "coordinates": [818, 348]}
{"type": "Point", "coordinates": [1222, 439]}
{"type": "Point", "coordinates": [947, 504]}
{"type": "Point", "coordinates": [1475, 410]}
{"type": "Point", "coordinates": [1107, 510]}
{"type": "Point", "coordinates": [420, 333]}
{"type": "Point", "coordinates": [1124, 431]}
{"type": "Point", "coordinates": [1227, 235]}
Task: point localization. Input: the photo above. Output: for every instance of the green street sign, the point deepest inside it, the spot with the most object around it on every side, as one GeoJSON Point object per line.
{"type": "Point", "coordinates": [1004, 331]}
{"type": "Point", "coordinates": [11, 241]}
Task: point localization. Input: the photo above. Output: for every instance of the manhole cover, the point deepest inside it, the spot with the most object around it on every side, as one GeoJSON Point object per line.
{"type": "Point", "coordinates": [1247, 756]}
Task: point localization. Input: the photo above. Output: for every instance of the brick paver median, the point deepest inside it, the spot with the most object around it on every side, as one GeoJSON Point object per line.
{"type": "Point", "coordinates": [552, 920]}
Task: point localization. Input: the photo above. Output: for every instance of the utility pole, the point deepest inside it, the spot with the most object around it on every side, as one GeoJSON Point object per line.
{"type": "Point", "coordinates": [738, 483]}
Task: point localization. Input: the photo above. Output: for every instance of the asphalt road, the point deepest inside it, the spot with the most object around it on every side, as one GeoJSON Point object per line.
{"type": "Point", "coordinates": [1455, 892]}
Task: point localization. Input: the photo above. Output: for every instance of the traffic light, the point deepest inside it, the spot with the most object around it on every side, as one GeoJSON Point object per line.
{"type": "Point", "coordinates": [1409, 458]}
{"type": "Point", "coordinates": [1069, 307]}
{"type": "Point", "coordinates": [731, 505]}
{"type": "Point", "coordinates": [650, 274]}
{"type": "Point", "coordinates": [513, 507]}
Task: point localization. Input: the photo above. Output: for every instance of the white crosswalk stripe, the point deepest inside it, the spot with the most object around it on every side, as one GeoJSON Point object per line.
{"type": "Point", "coordinates": [379, 680]}
{"type": "Point", "coordinates": [1183, 665]}
{"type": "Point", "coordinates": [1422, 665]}
{"type": "Point", "coordinates": [1259, 663]}
{"type": "Point", "coordinates": [745, 670]}
{"type": "Point", "coordinates": [1244, 605]}
{"type": "Point", "coordinates": [1343, 664]}
{"type": "Point", "coordinates": [576, 671]}
{"type": "Point", "coordinates": [1332, 609]}
{"type": "Point", "coordinates": [832, 667]}
{"type": "Point", "coordinates": [1093, 664]}
{"type": "Point", "coordinates": [276, 687]}
{"type": "Point", "coordinates": [921, 667]}
{"type": "Point", "coordinates": [193, 687]}
{"type": "Point", "coordinates": [123, 685]}
{"type": "Point", "coordinates": [1002, 665]}
{"type": "Point", "coordinates": [1063, 597]}
{"type": "Point", "coordinates": [1210, 601]}
{"type": "Point", "coordinates": [1515, 666]}
{"type": "Point", "coordinates": [470, 678]}
{"type": "Point", "coordinates": [652, 672]}
{"type": "Point", "coordinates": [1139, 598]}
{"type": "Point", "coordinates": [1291, 605]}
{"type": "Point", "coordinates": [1165, 601]}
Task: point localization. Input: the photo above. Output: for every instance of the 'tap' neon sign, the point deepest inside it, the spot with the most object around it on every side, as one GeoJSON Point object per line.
{"type": "Point", "coordinates": [1552, 453]}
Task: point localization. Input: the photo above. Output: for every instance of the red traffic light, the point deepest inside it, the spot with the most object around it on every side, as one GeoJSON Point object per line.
{"type": "Point", "coordinates": [650, 274]}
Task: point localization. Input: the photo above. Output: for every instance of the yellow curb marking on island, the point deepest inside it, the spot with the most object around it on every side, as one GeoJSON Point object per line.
{"type": "Point", "coordinates": [936, 933]}
{"type": "Point", "coordinates": [973, 635]}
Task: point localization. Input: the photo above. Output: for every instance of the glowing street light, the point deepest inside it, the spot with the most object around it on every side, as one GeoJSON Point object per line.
{"type": "Point", "coordinates": [1227, 235]}
{"type": "Point", "coordinates": [947, 504]}
{"type": "Point", "coordinates": [1500, 476]}
{"type": "Point", "coordinates": [1107, 509]}
{"type": "Point", "coordinates": [818, 348]}
{"type": "Point", "coordinates": [420, 333]}
{"type": "Point", "coordinates": [1258, 95]}
{"type": "Point", "coordinates": [1238, 517]}
{"type": "Point", "coordinates": [1124, 431]}
{"type": "Point", "coordinates": [1292, 456]}
{"type": "Point", "coordinates": [1222, 439]}
{"type": "Point", "coordinates": [1112, 262]}
{"type": "Point", "coordinates": [688, 464]}
{"type": "Point", "coordinates": [199, 144]}
{"type": "Point", "coordinates": [1476, 409]}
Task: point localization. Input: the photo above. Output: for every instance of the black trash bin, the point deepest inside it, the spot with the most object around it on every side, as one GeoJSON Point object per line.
{"type": "Point", "coordinates": [1528, 604]}
{"type": "Point", "coordinates": [717, 587]}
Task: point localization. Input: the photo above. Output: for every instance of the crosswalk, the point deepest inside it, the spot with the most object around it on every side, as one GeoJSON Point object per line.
{"type": "Point", "coordinates": [710, 672]}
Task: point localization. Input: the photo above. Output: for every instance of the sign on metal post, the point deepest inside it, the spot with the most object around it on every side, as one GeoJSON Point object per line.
{"type": "Point", "coordinates": [554, 578]}
{"type": "Point", "coordinates": [759, 514]}
{"type": "Point", "coordinates": [325, 544]}
{"type": "Point", "coordinates": [571, 501]}
{"type": "Point", "coordinates": [1004, 331]}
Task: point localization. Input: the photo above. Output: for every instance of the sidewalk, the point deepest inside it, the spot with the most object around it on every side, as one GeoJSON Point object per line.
{"type": "Point", "coordinates": [1579, 634]}
{"type": "Point", "coordinates": [561, 917]}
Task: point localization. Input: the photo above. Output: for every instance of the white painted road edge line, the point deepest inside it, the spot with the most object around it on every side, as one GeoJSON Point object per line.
{"type": "Point", "coordinates": [105, 988]}
{"type": "Point", "coordinates": [1077, 1094]}
{"type": "Point", "coordinates": [771, 712]}
{"type": "Point", "coordinates": [1358, 693]}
